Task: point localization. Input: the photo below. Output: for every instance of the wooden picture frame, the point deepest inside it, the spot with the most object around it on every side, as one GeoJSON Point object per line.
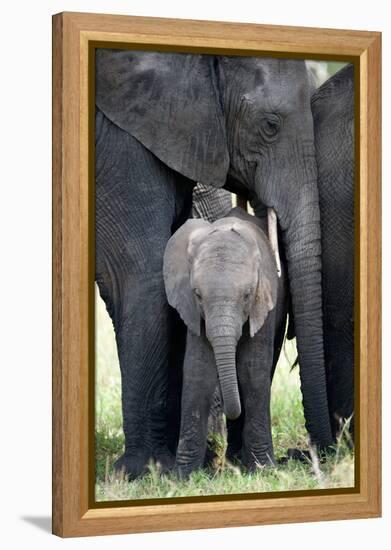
{"type": "Point", "coordinates": [74, 37]}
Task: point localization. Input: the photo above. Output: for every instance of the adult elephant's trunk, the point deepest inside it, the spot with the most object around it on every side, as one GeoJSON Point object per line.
{"type": "Point", "coordinates": [224, 348]}
{"type": "Point", "coordinates": [300, 223]}
{"type": "Point", "coordinates": [303, 251]}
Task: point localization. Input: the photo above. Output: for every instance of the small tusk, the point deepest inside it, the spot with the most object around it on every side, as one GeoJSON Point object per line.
{"type": "Point", "coordinates": [273, 237]}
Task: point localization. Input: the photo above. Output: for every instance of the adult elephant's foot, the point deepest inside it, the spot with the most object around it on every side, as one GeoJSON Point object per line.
{"type": "Point", "coordinates": [253, 461]}
{"type": "Point", "coordinates": [133, 465]}
{"type": "Point", "coordinates": [138, 464]}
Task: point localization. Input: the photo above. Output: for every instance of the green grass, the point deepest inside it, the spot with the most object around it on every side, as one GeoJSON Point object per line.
{"type": "Point", "coordinates": [294, 476]}
{"type": "Point", "coordinates": [287, 428]}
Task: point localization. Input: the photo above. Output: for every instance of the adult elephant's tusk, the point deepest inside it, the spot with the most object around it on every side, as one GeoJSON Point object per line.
{"type": "Point", "coordinates": [273, 237]}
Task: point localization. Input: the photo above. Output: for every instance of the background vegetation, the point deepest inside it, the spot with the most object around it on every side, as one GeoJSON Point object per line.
{"type": "Point", "coordinates": [287, 428]}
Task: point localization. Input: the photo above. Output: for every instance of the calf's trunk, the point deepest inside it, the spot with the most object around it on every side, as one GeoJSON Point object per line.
{"type": "Point", "coordinates": [224, 348]}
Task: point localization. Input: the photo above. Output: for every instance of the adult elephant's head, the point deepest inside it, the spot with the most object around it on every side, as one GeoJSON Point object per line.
{"type": "Point", "coordinates": [246, 121]}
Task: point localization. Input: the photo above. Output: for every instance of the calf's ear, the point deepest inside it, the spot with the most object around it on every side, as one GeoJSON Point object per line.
{"type": "Point", "coordinates": [267, 284]}
{"type": "Point", "coordinates": [265, 300]}
{"type": "Point", "coordinates": [176, 272]}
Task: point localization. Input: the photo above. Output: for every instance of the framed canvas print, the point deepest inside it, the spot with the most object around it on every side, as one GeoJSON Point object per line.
{"type": "Point", "coordinates": [216, 274]}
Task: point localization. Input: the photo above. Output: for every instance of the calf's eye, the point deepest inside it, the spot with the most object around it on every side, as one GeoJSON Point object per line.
{"type": "Point", "coordinates": [270, 127]}
{"type": "Point", "coordinates": [247, 295]}
{"type": "Point", "coordinates": [197, 293]}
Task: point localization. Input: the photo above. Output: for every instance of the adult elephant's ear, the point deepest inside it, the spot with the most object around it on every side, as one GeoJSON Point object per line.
{"type": "Point", "coordinates": [170, 103]}
{"type": "Point", "coordinates": [176, 272]}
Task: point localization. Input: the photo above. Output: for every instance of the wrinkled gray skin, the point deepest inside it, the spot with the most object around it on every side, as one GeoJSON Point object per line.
{"type": "Point", "coordinates": [165, 121]}
{"type": "Point", "coordinates": [333, 111]}
{"type": "Point", "coordinates": [210, 203]}
{"type": "Point", "coordinates": [222, 279]}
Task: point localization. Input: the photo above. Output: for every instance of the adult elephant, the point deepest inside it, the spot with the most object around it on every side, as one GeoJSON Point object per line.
{"type": "Point", "coordinates": [333, 111]}
{"type": "Point", "coordinates": [165, 121]}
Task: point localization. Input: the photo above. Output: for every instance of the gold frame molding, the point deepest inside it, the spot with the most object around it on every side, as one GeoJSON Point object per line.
{"type": "Point", "coordinates": [75, 35]}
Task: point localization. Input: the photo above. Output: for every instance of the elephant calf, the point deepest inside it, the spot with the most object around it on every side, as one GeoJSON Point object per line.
{"type": "Point", "coordinates": [222, 278]}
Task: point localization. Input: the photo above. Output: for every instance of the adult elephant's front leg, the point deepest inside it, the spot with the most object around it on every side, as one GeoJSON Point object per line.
{"type": "Point", "coordinates": [143, 337]}
{"type": "Point", "coordinates": [254, 364]}
{"type": "Point", "coordinates": [139, 202]}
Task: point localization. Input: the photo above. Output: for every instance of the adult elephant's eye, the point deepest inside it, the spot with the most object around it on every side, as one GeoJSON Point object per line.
{"type": "Point", "coordinates": [270, 127]}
